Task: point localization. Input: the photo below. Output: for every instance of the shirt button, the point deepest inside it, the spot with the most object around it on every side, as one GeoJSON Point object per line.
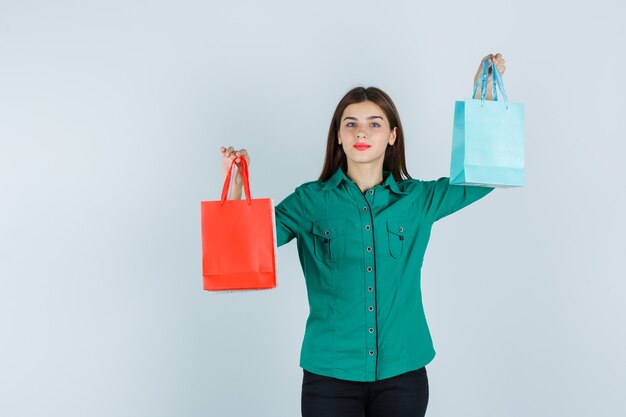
{"type": "Point", "coordinates": [369, 248]}
{"type": "Point", "coordinates": [370, 308]}
{"type": "Point", "coordinates": [370, 289]}
{"type": "Point", "coordinates": [371, 330]}
{"type": "Point", "coordinates": [371, 353]}
{"type": "Point", "coordinates": [364, 208]}
{"type": "Point", "coordinates": [371, 192]}
{"type": "Point", "coordinates": [367, 227]}
{"type": "Point", "coordinates": [400, 229]}
{"type": "Point", "coordinates": [327, 233]}
{"type": "Point", "coordinates": [369, 269]}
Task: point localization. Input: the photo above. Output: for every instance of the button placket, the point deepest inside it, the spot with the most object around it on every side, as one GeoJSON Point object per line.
{"type": "Point", "coordinates": [369, 248]}
{"type": "Point", "coordinates": [370, 280]}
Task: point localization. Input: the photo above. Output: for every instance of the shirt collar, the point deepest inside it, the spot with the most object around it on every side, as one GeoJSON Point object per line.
{"type": "Point", "coordinates": [339, 175]}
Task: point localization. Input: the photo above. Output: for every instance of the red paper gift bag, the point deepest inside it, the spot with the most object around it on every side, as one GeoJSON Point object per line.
{"type": "Point", "coordinates": [238, 240]}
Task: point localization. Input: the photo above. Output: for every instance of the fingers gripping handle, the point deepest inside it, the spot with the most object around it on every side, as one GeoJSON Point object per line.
{"type": "Point", "coordinates": [244, 176]}
{"type": "Point", "coordinates": [482, 80]}
{"type": "Point", "coordinates": [496, 81]}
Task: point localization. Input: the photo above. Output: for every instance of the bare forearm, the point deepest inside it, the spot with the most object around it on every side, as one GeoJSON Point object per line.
{"type": "Point", "coordinates": [235, 193]}
{"type": "Point", "coordinates": [488, 96]}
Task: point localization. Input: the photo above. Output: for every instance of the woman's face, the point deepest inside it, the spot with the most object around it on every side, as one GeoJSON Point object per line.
{"type": "Point", "coordinates": [364, 133]}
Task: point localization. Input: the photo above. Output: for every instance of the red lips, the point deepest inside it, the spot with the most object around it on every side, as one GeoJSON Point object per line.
{"type": "Point", "coordinates": [362, 146]}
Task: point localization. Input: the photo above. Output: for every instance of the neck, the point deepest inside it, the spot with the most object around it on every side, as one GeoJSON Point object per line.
{"type": "Point", "coordinates": [365, 176]}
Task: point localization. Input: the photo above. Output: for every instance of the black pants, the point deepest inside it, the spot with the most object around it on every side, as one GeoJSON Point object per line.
{"type": "Point", "coordinates": [404, 395]}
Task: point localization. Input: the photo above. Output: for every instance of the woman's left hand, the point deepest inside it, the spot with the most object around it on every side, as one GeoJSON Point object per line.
{"type": "Point", "coordinates": [499, 61]}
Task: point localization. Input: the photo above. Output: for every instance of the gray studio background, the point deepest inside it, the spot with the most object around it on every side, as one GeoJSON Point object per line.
{"type": "Point", "coordinates": [111, 118]}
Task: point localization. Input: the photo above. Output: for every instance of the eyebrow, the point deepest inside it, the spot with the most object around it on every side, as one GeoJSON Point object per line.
{"type": "Point", "coordinates": [367, 118]}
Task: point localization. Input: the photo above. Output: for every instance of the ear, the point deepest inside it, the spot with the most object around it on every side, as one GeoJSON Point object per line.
{"type": "Point", "coordinates": [392, 136]}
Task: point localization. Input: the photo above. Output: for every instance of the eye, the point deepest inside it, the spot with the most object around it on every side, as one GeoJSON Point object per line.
{"type": "Point", "coordinates": [374, 124]}
{"type": "Point", "coordinates": [350, 124]}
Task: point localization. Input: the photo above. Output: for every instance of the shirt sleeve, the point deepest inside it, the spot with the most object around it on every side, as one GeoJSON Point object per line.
{"type": "Point", "coordinates": [287, 215]}
{"type": "Point", "coordinates": [444, 198]}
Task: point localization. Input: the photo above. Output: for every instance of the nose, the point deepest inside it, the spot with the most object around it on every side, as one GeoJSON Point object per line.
{"type": "Point", "coordinates": [361, 134]}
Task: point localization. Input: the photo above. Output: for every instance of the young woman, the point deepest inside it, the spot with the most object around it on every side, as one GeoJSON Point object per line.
{"type": "Point", "coordinates": [362, 229]}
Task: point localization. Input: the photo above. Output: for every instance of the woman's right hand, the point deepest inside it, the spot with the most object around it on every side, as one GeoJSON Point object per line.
{"type": "Point", "coordinates": [498, 61]}
{"type": "Point", "coordinates": [228, 154]}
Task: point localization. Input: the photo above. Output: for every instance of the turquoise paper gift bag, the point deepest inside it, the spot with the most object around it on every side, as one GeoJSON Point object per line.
{"type": "Point", "coordinates": [488, 138]}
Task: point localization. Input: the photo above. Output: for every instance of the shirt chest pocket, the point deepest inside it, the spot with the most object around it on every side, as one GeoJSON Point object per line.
{"type": "Point", "coordinates": [329, 238]}
{"type": "Point", "coordinates": [397, 228]}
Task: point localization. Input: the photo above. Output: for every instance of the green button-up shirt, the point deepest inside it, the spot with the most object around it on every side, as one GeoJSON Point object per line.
{"type": "Point", "coordinates": [361, 255]}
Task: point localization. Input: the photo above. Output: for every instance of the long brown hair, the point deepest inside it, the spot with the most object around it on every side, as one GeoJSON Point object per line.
{"type": "Point", "coordinates": [394, 155]}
